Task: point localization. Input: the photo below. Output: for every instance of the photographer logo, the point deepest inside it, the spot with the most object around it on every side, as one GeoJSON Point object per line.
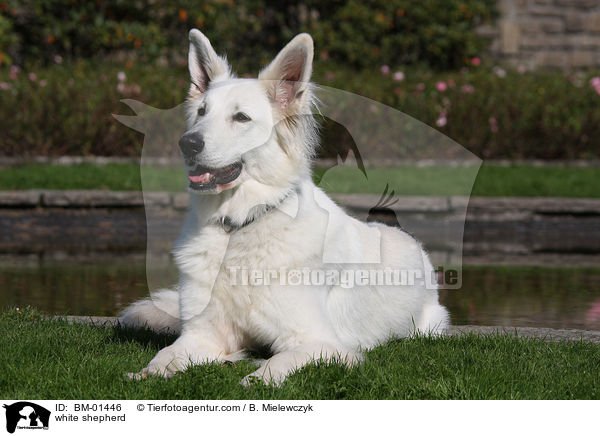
{"type": "Point", "coordinates": [26, 415]}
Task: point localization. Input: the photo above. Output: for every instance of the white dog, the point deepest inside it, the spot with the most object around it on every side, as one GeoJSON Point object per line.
{"type": "Point", "coordinates": [255, 208]}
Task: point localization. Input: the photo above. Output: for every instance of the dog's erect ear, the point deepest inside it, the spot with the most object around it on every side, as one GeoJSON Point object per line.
{"type": "Point", "coordinates": [290, 71]}
{"type": "Point", "coordinates": [204, 63]}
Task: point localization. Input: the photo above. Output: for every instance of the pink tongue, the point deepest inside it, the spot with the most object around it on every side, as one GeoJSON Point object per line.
{"type": "Point", "coordinates": [200, 179]}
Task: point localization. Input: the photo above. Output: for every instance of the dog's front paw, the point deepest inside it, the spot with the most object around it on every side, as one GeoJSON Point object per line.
{"type": "Point", "coordinates": [266, 376]}
{"type": "Point", "coordinates": [149, 371]}
{"type": "Point", "coordinates": [165, 364]}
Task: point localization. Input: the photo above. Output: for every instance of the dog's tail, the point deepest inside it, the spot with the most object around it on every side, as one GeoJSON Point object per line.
{"type": "Point", "coordinates": [159, 312]}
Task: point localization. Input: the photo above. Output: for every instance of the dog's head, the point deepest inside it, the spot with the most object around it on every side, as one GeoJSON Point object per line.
{"type": "Point", "coordinates": [248, 129]}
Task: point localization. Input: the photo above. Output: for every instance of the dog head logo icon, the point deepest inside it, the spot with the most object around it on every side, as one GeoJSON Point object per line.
{"type": "Point", "coordinates": [26, 415]}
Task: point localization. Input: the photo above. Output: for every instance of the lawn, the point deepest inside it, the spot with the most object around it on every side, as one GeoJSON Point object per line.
{"type": "Point", "coordinates": [492, 180]}
{"type": "Point", "coordinates": [50, 359]}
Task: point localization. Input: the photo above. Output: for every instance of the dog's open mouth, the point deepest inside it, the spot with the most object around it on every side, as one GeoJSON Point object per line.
{"type": "Point", "coordinates": [205, 178]}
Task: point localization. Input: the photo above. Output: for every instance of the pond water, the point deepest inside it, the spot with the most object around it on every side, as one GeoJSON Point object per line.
{"type": "Point", "coordinates": [491, 295]}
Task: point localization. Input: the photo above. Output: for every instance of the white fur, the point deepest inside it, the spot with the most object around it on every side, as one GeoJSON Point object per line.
{"type": "Point", "coordinates": [217, 320]}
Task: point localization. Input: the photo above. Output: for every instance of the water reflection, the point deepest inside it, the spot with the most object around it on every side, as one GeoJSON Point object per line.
{"type": "Point", "coordinates": [527, 296]}
{"type": "Point", "coordinates": [509, 296]}
{"type": "Point", "coordinates": [75, 287]}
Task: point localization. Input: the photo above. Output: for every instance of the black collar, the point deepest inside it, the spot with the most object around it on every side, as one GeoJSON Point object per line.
{"type": "Point", "coordinates": [229, 226]}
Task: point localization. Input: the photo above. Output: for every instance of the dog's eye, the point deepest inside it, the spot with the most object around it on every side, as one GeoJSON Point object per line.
{"type": "Point", "coordinates": [241, 117]}
{"type": "Point", "coordinates": [202, 110]}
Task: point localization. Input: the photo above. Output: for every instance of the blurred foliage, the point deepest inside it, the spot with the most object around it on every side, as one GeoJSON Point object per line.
{"type": "Point", "coordinates": [399, 32]}
{"type": "Point", "coordinates": [66, 109]}
{"type": "Point", "coordinates": [359, 33]}
{"type": "Point", "coordinates": [60, 62]}
{"type": "Point", "coordinates": [494, 113]}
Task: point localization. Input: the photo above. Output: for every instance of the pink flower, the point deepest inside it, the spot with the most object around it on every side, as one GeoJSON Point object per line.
{"type": "Point", "coordinates": [43, 82]}
{"type": "Point", "coordinates": [499, 72]}
{"type": "Point", "coordinates": [14, 71]}
{"type": "Point", "coordinates": [595, 82]}
{"type": "Point", "coordinates": [493, 124]}
{"type": "Point", "coordinates": [121, 87]}
{"type": "Point", "coordinates": [475, 61]}
{"type": "Point", "coordinates": [32, 77]}
{"type": "Point", "coordinates": [398, 76]}
{"type": "Point", "coordinates": [385, 69]}
{"type": "Point", "coordinates": [4, 86]}
{"type": "Point", "coordinates": [58, 59]}
{"type": "Point", "coordinates": [467, 89]}
{"type": "Point", "coordinates": [522, 69]}
{"type": "Point", "coordinates": [420, 86]}
{"type": "Point", "coordinates": [442, 119]}
{"type": "Point", "coordinates": [121, 76]}
{"type": "Point", "coordinates": [441, 86]}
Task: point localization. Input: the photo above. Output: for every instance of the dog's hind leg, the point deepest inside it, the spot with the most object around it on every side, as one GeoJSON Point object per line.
{"type": "Point", "coordinates": [159, 312]}
{"type": "Point", "coordinates": [275, 370]}
{"type": "Point", "coordinates": [435, 319]}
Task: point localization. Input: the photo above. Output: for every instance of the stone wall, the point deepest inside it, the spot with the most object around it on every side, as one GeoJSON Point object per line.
{"type": "Point", "coordinates": [547, 33]}
{"type": "Point", "coordinates": [497, 230]}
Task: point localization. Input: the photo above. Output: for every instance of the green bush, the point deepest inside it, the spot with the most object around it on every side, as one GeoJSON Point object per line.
{"type": "Point", "coordinates": [400, 32]}
{"type": "Point", "coordinates": [66, 109]}
{"type": "Point", "coordinates": [358, 33]}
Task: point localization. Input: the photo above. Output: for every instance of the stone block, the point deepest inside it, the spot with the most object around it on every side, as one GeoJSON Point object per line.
{"type": "Point", "coordinates": [553, 26]}
{"type": "Point", "coordinates": [592, 22]}
{"type": "Point", "coordinates": [530, 27]}
{"type": "Point", "coordinates": [583, 41]}
{"type": "Point", "coordinates": [545, 10]}
{"type": "Point", "coordinates": [27, 198]}
{"type": "Point", "coordinates": [154, 199]}
{"type": "Point", "coordinates": [181, 201]}
{"type": "Point", "coordinates": [85, 198]}
{"type": "Point", "coordinates": [510, 36]}
{"type": "Point", "coordinates": [577, 3]}
{"type": "Point", "coordinates": [581, 58]}
{"type": "Point", "coordinates": [559, 59]}
{"type": "Point", "coordinates": [574, 21]}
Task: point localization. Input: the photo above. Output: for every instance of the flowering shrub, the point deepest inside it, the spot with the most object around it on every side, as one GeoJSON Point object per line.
{"type": "Point", "coordinates": [66, 109]}
{"type": "Point", "coordinates": [440, 34]}
{"type": "Point", "coordinates": [495, 113]}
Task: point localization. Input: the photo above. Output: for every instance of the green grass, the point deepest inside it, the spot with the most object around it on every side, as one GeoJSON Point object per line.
{"type": "Point", "coordinates": [49, 359]}
{"type": "Point", "coordinates": [492, 180]}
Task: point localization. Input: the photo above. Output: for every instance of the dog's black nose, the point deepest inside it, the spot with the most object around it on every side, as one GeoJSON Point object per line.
{"type": "Point", "coordinates": [191, 144]}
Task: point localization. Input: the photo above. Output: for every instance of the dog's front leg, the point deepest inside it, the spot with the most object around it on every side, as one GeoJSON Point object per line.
{"type": "Point", "coordinates": [203, 330]}
{"type": "Point", "coordinates": [198, 344]}
{"type": "Point", "coordinates": [276, 369]}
